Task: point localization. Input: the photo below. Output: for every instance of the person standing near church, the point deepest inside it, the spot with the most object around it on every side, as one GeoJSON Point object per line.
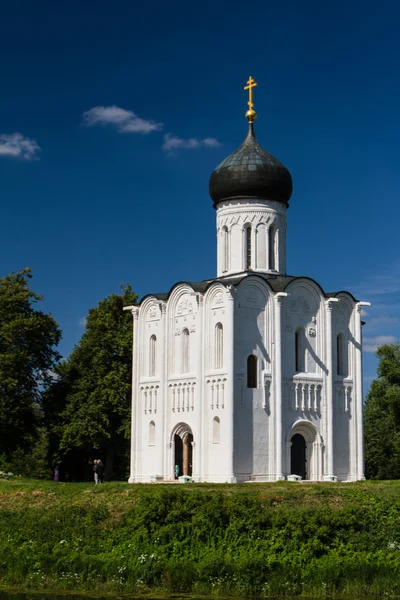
{"type": "Point", "coordinates": [96, 476]}
{"type": "Point", "coordinates": [100, 471]}
{"type": "Point", "coordinates": [176, 471]}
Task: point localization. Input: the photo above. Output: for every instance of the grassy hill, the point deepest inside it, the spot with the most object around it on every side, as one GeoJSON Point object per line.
{"type": "Point", "coordinates": [286, 539]}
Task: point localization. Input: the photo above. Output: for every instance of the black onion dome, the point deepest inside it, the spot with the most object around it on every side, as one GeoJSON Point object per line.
{"type": "Point", "coordinates": [251, 172]}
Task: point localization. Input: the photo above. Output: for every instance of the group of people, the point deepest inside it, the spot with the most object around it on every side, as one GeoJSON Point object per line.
{"type": "Point", "coordinates": [98, 470]}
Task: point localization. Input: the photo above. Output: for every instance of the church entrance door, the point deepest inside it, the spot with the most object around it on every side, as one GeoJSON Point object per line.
{"type": "Point", "coordinates": [182, 450]}
{"type": "Point", "coordinates": [299, 456]}
{"type": "Point", "coordinates": [178, 455]}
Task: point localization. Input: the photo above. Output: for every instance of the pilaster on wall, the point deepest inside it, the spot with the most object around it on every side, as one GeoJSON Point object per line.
{"type": "Point", "coordinates": [230, 309]}
{"type": "Point", "coordinates": [359, 392]}
{"type": "Point", "coordinates": [328, 467]}
{"type": "Point", "coordinates": [135, 361]}
{"type": "Point", "coordinates": [164, 383]}
{"type": "Point", "coordinates": [278, 384]}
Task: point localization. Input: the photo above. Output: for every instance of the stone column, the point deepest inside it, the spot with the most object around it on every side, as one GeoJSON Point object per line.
{"type": "Point", "coordinates": [253, 249]}
{"type": "Point", "coordinates": [229, 354]}
{"type": "Point", "coordinates": [278, 385]}
{"type": "Point", "coordinates": [328, 467]}
{"type": "Point", "coordinates": [135, 399]}
{"type": "Point", "coordinates": [359, 470]}
{"type": "Point", "coordinates": [186, 457]}
{"type": "Point", "coordinates": [163, 400]}
{"type": "Point", "coordinates": [200, 401]}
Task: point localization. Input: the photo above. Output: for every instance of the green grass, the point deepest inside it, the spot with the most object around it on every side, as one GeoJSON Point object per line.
{"type": "Point", "coordinates": [281, 539]}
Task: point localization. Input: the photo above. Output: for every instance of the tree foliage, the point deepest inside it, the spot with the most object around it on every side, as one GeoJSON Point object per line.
{"type": "Point", "coordinates": [28, 338]}
{"type": "Point", "coordinates": [88, 406]}
{"type": "Point", "coordinates": [382, 417]}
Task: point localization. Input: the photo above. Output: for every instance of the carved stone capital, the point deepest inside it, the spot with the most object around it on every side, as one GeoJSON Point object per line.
{"type": "Point", "coordinates": [330, 302]}
{"type": "Point", "coordinates": [231, 292]}
{"type": "Point", "coordinates": [279, 298]}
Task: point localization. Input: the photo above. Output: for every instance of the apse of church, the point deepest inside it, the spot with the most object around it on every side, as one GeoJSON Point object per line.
{"type": "Point", "coordinates": [254, 375]}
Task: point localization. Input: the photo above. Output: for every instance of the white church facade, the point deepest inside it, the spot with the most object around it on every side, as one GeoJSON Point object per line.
{"type": "Point", "coordinates": [253, 375]}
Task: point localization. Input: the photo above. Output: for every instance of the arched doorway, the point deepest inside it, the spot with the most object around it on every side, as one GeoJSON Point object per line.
{"type": "Point", "coordinates": [298, 456]}
{"type": "Point", "coordinates": [178, 445]}
{"type": "Point", "coordinates": [182, 446]}
{"type": "Point", "coordinates": [304, 451]}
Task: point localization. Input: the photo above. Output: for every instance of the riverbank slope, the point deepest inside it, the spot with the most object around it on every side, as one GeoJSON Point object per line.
{"type": "Point", "coordinates": [251, 539]}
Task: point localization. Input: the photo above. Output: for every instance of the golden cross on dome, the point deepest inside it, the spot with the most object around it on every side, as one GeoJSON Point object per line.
{"type": "Point", "coordinates": [251, 114]}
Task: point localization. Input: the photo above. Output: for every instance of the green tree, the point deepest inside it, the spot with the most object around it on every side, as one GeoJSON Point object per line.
{"type": "Point", "coordinates": [88, 406]}
{"type": "Point", "coordinates": [28, 338]}
{"type": "Point", "coordinates": [382, 417]}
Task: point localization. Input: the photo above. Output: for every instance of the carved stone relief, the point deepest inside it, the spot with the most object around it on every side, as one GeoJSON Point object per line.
{"type": "Point", "coordinates": [218, 300]}
{"type": "Point", "coordinates": [153, 313]}
{"type": "Point", "coordinates": [300, 305]}
{"type": "Point", "coordinates": [186, 306]}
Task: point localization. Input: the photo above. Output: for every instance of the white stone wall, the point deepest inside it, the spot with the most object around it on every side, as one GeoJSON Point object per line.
{"type": "Point", "coordinates": [193, 395]}
{"type": "Point", "coordinates": [191, 362]}
{"type": "Point", "coordinates": [242, 433]}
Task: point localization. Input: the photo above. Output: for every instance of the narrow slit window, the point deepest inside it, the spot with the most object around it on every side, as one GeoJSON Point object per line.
{"type": "Point", "coordinates": [252, 371]}
{"type": "Point", "coordinates": [152, 356]}
{"type": "Point", "coordinates": [216, 430]}
{"type": "Point", "coordinates": [152, 433]}
{"type": "Point", "coordinates": [248, 247]}
{"type": "Point", "coordinates": [341, 355]}
{"type": "Point", "coordinates": [271, 249]}
{"type": "Point", "coordinates": [219, 346]}
{"type": "Point", "coordinates": [185, 351]}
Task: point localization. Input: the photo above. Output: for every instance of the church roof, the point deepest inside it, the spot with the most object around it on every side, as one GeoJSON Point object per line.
{"type": "Point", "coordinates": [251, 172]}
{"type": "Point", "coordinates": [278, 283]}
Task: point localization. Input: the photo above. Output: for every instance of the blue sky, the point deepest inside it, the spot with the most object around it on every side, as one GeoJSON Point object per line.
{"type": "Point", "coordinates": [113, 116]}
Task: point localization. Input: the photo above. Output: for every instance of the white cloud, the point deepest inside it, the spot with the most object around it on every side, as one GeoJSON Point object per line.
{"type": "Point", "coordinates": [172, 142]}
{"type": "Point", "coordinates": [385, 282]}
{"type": "Point", "coordinates": [15, 145]}
{"type": "Point", "coordinates": [82, 321]}
{"type": "Point", "coordinates": [124, 120]}
{"type": "Point", "coordinates": [378, 321]}
{"type": "Point", "coordinates": [370, 344]}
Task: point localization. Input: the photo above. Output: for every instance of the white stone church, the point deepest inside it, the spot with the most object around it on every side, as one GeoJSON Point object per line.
{"type": "Point", "coordinates": [254, 375]}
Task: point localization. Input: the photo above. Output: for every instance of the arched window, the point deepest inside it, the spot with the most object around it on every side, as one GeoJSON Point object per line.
{"type": "Point", "coordinates": [252, 371]}
{"type": "Point", "coordinates": [216, 430]}
{"type": "Point", "coordinates": [219, 346]}
{"type": "Point", "coordinates": [271, 248]}
{"type": "Point", "coordinates": [185, 351]}
{"type": "Point", "coordinates": [247, 255]}
{"type": "Point", "coordinates": [225, 249]}
{"type": "Point", "coordinates": [341, 358]}
{"type": "Point", "coordinates": [152, 434]}
{"type": "Point", "coordinates": [152, 356]}
{"type": "Point", "coordinates": [300, 349]}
